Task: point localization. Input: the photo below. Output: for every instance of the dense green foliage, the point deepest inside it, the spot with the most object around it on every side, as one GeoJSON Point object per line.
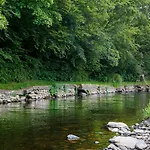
{"type": "Point", "coordinates": [74, 40]}
{"type": "Point", "coordinates": [3, 21]}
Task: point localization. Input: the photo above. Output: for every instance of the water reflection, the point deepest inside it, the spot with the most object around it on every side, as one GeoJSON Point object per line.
{"type": "Point", "coordinates": [45, 124]}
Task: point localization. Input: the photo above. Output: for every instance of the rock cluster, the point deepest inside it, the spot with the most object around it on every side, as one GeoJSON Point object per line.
{"type": "Point", "coordinates": [137, 139]}
{"type": "Point", "coordinates": [36, 93]}
{"type": "Point", "coordinates": [6, 98]}
{"type": "Point", "coordinates": [26, 95]}
{"type": "Point", "coordinates": [63, 90]}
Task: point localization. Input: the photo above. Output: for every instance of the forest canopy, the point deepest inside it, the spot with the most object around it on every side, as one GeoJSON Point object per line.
{"type": "Point", "coordinates": [74, 40]}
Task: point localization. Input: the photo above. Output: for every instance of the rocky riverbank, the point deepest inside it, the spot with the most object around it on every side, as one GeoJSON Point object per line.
{"type": "Point", "coordinates": [62, 91]}
{"type": "Point", "coordinates": [135, 138]}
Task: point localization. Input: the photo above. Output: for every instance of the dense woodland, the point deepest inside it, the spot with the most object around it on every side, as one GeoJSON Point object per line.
{"type": "Point", "coordinates": [74, 40]}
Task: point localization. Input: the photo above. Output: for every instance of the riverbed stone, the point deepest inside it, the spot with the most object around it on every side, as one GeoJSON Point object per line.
{"type": "Point", "coordinates": [112, 147]}
{"type": "Point", "coordinates": [147, 122]}
{"type": "Point", "coordinates": [72, 137]}
{"type": "Point", "coordinates": [139, 131]}
{"type": "Point", "coordinates": [128, 142]}
{"type": "Point", "coordinates": [118, 127]}
{"type": "Point", "coordinates": [120, 90]}
{"type": "Point", "coordinates": [140, 145]}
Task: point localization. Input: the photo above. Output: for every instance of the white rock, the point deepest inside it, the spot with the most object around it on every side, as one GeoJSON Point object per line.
{"type": "Point", "coordinates": [96, 142]}
{"type": "Point", "coordinates": [139, 131]}
{"type": "Point", "coordinates": [113, 147]}
{"type": "Point", "coordinates": [117, 125]}
{"type": "Point", "coordinates": [113, 129]}
{"type": "Point", "coordinates": [23, 98]}
{"type": "Point", "coordinates": [17, 97]}
{"type": "Point", "coordinates": [72, 137]}
{"type": "Point", "coordinates": [140, 144]}
{"type": "Point", "coordinates": [128, 142]}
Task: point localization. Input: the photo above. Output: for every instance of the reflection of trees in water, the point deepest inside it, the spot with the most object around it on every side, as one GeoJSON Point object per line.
{"type": "Point", "coordinates": [85, 117]}
{"type": "Point", "coordinates": [87, 108]}
{"type": "Point", "coordinates": [78, 101]}
{"type": "Point", "coordinates": [53, 104]}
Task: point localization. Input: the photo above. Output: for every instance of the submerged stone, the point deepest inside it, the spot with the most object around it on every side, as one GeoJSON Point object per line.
{"type": "Point", "coordinates": [72, 137]}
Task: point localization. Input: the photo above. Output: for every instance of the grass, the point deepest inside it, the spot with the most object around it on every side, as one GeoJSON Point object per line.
{"type": "Point", "coordinates": [21, 85]}
{"type": "Point", "coordinates": [25, 84]}
{"type": "Point", "coordinates": [146, 111]}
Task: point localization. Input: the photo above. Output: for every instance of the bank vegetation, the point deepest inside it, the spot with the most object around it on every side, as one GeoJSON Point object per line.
{"type": "Point", "coordinates": [74, 40]}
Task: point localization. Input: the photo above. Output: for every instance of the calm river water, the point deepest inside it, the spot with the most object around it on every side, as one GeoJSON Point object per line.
{"type": "Point", "coordinates": [44, 125]}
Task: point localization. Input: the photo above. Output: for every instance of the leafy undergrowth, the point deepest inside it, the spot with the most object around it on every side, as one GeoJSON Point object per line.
{"type": "Point", "coordinates": [25, 84]}
{"type": "Point", "coordinates": [147, 111]}
{"type": "Point", "coordinates": [21, 85]}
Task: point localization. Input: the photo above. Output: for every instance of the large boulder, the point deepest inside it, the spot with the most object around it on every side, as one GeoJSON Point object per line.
{"type": "Point", "coordinates": [128, 142]}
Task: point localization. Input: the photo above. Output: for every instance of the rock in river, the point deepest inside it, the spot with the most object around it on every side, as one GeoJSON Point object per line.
{"type": "Point", "coordinates": [128, 142]}
{"type": "Point", "coordinates": [72, 137]}
{"type": "Point", "coordinates": [118, 127]}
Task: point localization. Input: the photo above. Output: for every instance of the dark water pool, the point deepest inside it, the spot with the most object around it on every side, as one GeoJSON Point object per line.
{"type": "Point", "coordinates": [44, 125]}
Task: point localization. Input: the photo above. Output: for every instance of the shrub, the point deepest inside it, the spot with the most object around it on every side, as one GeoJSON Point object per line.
{"type": "Point", "coordinates": [116, 78]}
{"type": "Point", "coordinates": [147, 111]}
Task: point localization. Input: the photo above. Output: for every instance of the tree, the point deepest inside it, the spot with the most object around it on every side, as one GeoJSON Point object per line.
{"type": "Point", "coordinates": [123, 28]}
{"type": "Point", "coordinates": [74, 39]}
{"type": "Point", "coordinates": [3, 21]}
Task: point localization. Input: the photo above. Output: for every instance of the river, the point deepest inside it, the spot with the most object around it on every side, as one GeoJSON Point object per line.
{"type": "Point", "coordinates": [44, 125]}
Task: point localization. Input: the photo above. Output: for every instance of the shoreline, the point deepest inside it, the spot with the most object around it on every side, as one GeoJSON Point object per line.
{"type": "Point", "coordinates": [63, 91]}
